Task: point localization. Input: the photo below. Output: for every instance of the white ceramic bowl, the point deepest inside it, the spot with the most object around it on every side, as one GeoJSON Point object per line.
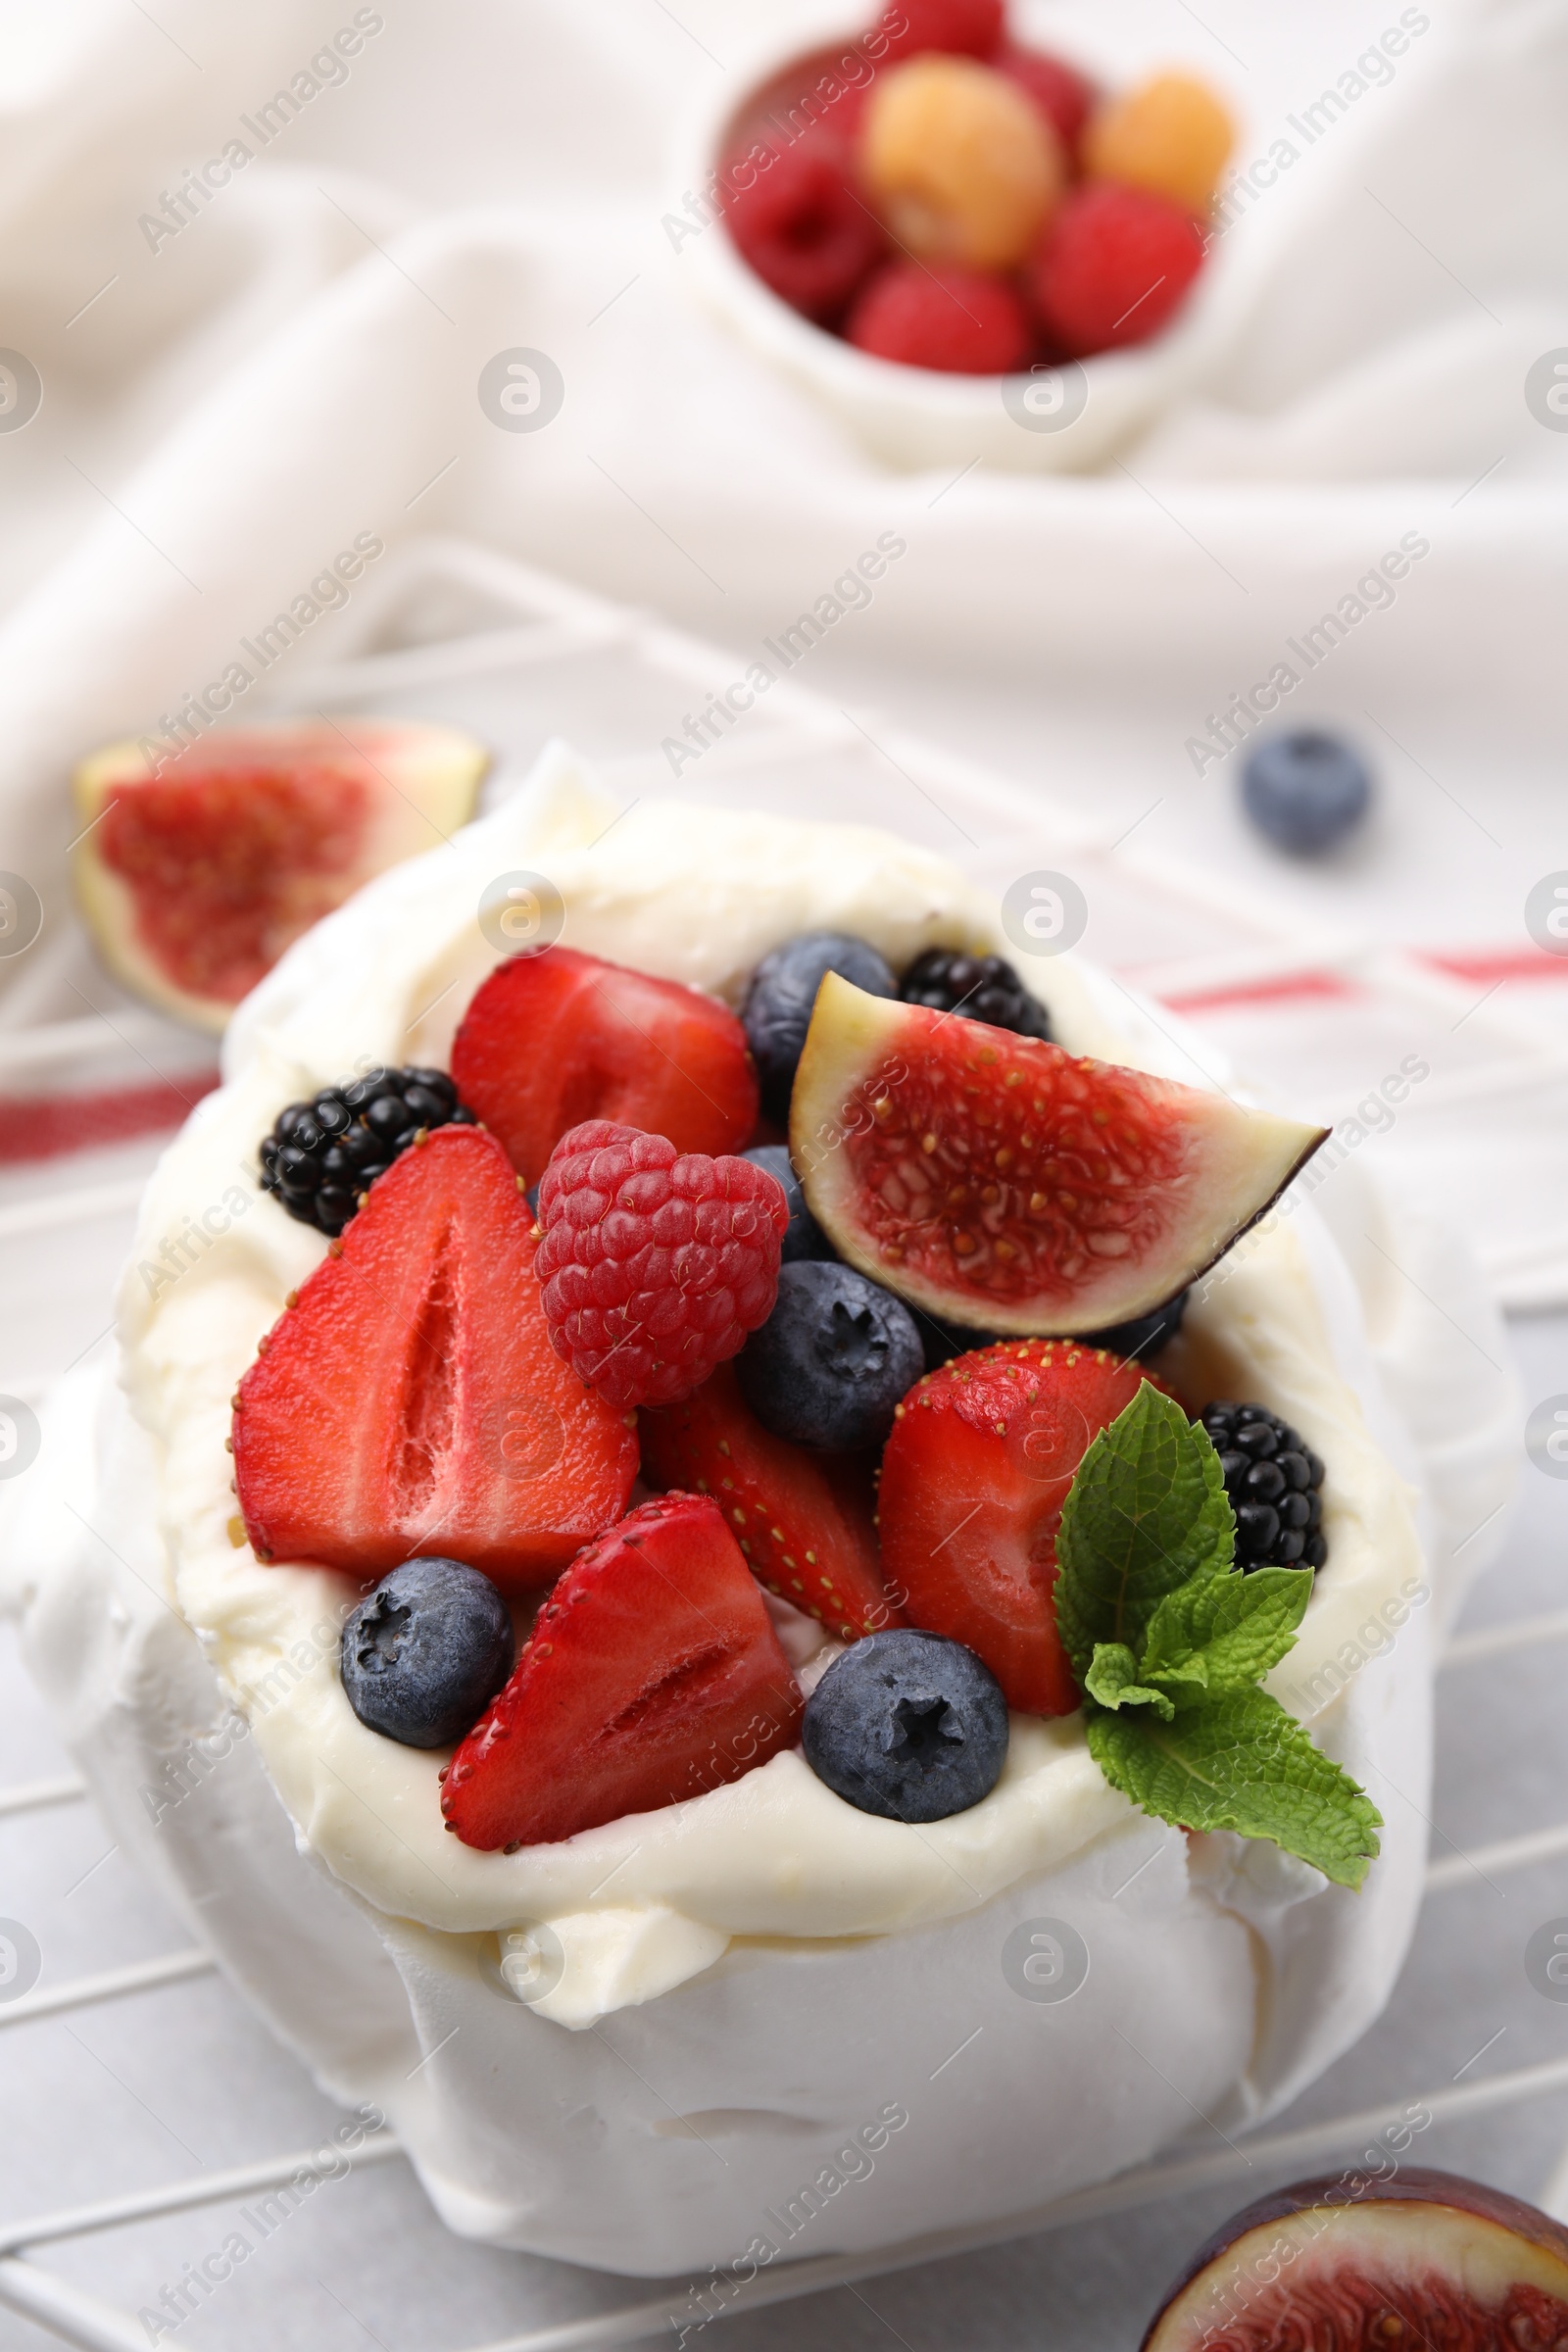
{"type": "Point", "coordinates": [1064, 421]}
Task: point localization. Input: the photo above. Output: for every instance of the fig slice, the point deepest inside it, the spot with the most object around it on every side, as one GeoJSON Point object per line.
{"type": "Point", "coordinates": [1003, 1183]}
{"type": "Point", "coordinates": [194, 873]}
{"type": "Point", "coordinates": [1418, 2258]}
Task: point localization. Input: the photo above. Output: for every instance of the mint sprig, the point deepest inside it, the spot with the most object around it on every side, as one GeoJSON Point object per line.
{"type": "Point", "coordinates": [1169, 1643]}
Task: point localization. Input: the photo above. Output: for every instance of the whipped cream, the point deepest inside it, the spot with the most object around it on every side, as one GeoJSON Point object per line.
{"type": "Point", "coordinates": [697, 895]}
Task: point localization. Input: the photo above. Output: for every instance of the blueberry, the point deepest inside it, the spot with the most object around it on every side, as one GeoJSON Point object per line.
{"type": "Point", "coordinates": [803, 1237]}
{"type": "Point", "coordinates": [908, 1724]}
{"type": "Point", "coordinates": [1144, 1335]}
{"type": "Point", "coordinates": [1305, 790]}
{"type": "Point", "coordinates": [427, 1651]}
{"type": "Point", "coordinates": [784, 985]}
{"type": "Point", "coordinates": [1134, 1341]}
{"type": "Point", "coordinates": [943, 1341]}
{"type": "Point", "coordinates": [832, 1361]}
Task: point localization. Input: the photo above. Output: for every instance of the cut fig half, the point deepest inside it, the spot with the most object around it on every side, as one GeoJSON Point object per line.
{"type": "Point", "coordinates": [1003, 1183]}
{"type": "Point", "coordinates": [1365, 2265]}
{"type": "Point", "coordinates": [194, 873]}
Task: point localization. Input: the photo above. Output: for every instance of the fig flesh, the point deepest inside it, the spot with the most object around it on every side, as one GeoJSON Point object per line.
{"type": "Point", "coordinates": [1006, 1186]}
{"type": "Point", "coordinates": [1419, 2259]}
{"type": "Point", "coordinates": [195, 873]}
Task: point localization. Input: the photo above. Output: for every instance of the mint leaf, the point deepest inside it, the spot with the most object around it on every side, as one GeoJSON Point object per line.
{"type": "Point", "coordinates": [1113, 1680]}
{"type": "Point", "coordinates": [1169, 1640]}
{"type": "Point", "coordinates": [1220, 1634]}
{"type": "Point", "coordinates": [1241, 1763]}
{"type": "Point", "coordinates": [1146, 1512]}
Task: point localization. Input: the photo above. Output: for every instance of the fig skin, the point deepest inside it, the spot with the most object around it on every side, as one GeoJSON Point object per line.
{"type": "Point", "coordinates": [214, 860]}
{"type": "Point", "coordinates": [896, 1119]}
{"type": "Point", "coordinates": [1170, 2331]}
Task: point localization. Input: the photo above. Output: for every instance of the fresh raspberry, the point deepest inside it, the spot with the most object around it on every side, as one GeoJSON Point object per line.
{"type": "Point", "coordinates": [803, 228]}
{"type": "Point", "coordinates": [1062, 94]}
{"type": "Point", "coordinates": [969, 27]}
{"type": "Point", "coordinates": [1171, 136]}
{"type": "Point", "coordinates": [654, 1265]}
{"type": "Point", "coordinates": [961, 162]}
{"type": "Point", "coordinates": [1114, 269]}
{"type": "Point", "coordinates": [954, 319]}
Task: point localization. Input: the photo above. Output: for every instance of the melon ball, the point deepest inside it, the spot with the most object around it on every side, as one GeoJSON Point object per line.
{"type": "Point", "coordinates": [1170, 136]}
{"type": "Point", "coordinates": [963, 166]}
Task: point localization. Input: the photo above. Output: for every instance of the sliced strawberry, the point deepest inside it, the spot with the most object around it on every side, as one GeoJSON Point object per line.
{"type": "Point", "coordinates": [652, 1674]}
{"type": "Point", "coordinates": [973, 1480]}
{"type": "Point", "coordinates": [805, 1524]}
{"type": "Point", "coordinates": [554, 1039]}
{"type": "Point", "coordinates": [411, 1400]}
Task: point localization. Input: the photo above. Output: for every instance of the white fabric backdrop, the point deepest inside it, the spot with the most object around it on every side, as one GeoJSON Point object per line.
{"type": "Point", "coordinates": [299, 362]}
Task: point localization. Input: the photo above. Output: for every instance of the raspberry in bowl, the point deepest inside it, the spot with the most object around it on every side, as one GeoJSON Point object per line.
{"type": "Point", "coordinates": [667, 1576]}
{"type": "Point", "coordinates": [963, 240]}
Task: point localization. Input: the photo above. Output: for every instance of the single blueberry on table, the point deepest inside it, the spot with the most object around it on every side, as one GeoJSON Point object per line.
{"type": "Point", "coordinates": [426, 1653]}
{"type": "Point", "coordinates": [908, 1724]}
{"type": "Point", "coordinates": [804, 1236]}
{"type": "Point", "coordinates": [1305, 790]}
{"type": "Point", "coordinates": [783, 990]}
{"type": "Point", "coordinates": [832, 1361]}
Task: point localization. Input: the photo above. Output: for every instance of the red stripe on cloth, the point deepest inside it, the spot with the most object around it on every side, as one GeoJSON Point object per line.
{"type": "Point", "coordinates": [47, 1126]}
{"type": "Point", "coordinates": [1263, 992]}
{"type": "Point", "coordinates": [1512, 963]}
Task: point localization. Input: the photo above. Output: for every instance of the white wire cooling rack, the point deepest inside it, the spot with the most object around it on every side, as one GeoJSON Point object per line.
{"type": "Point", "coordinates": [143, 2099]}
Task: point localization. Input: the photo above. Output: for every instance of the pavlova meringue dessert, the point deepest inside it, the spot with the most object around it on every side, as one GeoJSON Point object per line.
{"type": "Point", "coordinates": [757, 1698]}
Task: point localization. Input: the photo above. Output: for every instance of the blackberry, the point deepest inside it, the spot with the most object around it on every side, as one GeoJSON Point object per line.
{"type": "Point", "coordinates": [1273, 1479]}
{"type": "Point", "coordinates": [322, 1155]}
{"type": "Point", "coordinates": [983, 988]}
